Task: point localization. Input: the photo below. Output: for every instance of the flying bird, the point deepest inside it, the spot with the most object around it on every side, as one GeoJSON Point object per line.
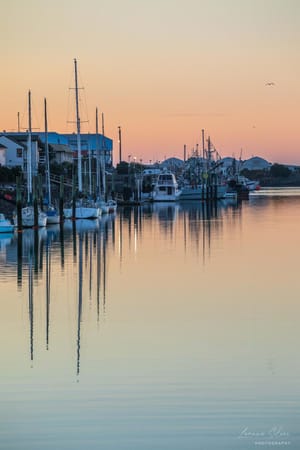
{"type": "Point", "coordinates": [270, 84]}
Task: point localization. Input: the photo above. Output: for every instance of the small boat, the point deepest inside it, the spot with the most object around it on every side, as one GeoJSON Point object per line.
{"type": "Point", "coordinates": [28, 217]}
{"type": "Point", "coordinates": [83, 210]}
{"type": "Point", "coordinates": [52, 215]}
{"type": "Point", "coordinates": [5, 225]}
{"type": "Point", "coordinates": [50, 210]}
{"type": "Point", "coordinates": [241, 190]}
{"type": "Point", "coordinates": [251, 185]}
{"type": "Point", "coordinates": [112, 206]}
{"type": "Point", "coordinates": [166, 188]}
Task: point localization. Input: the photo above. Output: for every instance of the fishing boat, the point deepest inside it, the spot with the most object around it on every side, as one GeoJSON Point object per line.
{"type": "Point", "coordinates": [200, 191]}
{"type": "Point", "coordinates": [166, 188]}
{"type": "Point", "coordinates": [84, 208]}
{"type": "Point", "coordinates": [5, 225]}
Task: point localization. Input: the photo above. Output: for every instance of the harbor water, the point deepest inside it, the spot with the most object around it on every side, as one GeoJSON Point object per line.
{"type": "Point", "coordinates": [171, 326]}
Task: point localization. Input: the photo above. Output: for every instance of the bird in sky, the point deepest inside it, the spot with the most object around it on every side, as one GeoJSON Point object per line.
{"type": "Point", "coordinates": [270, 83]}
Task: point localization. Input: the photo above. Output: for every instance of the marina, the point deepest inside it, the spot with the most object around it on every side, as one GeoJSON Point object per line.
{"type": "Point", "coordinates": [149, 225]}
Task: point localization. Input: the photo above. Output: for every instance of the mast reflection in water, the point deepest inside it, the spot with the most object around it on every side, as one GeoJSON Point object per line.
{"type": "Point", "coordinates": [152, 329]}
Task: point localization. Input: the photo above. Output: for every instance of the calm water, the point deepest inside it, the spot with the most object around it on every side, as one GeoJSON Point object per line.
{"type": "Point", "coordinates": [165, 327]}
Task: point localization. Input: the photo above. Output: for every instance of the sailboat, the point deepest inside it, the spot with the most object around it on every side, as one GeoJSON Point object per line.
{"type": "Point", "coordinates": [28, 215]}
{"type": "Point", "coordinates": [51, 211]}
{"type": "Point", "coordinates": [110, 205]}
{"type": "Point", "coordinates": [84, 209]}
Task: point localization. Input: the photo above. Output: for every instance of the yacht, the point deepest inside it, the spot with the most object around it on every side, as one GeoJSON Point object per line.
{"type": "Point", "coordinates": [166, 188]}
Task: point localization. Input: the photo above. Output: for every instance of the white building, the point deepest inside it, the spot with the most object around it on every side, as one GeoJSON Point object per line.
{"type": "Point", "coordinates": [16, 150]}
{"type": "Point", "coordinates": [11, 152]}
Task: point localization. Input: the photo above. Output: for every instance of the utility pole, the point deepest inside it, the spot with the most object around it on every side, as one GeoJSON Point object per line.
{"type": "Point", "coordinates": [203, 145]}
{"type": "Point", "coordinates": [120, 145]}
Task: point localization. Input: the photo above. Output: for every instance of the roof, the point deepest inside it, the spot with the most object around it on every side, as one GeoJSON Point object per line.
{"type": "Point", "coordinates": [14, 139]}
{"type": "Point", "coordinates": [20, 138]}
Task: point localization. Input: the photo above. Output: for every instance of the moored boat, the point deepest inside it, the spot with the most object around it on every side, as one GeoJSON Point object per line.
{"type": "Point", "coordinates": [166, 188]}
{"type": "Point", "coordinates": [83, 210]}
{"type": "Point", "coordinates": [5, 225]}
{"type": "Point", "coordinates": [28, 219]}
{"type": "Point", "coordinates": [202, 191]}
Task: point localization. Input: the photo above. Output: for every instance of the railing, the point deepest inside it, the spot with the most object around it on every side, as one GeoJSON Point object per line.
{"type": "Point", "coordinates": [56, 179]}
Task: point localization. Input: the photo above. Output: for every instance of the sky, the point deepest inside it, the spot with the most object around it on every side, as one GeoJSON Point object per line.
{"type": "Point", "coordinates": [163, 70]}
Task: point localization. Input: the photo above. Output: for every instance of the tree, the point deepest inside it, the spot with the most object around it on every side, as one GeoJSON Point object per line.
{"type": "Point", "coordinates": [279, 170]}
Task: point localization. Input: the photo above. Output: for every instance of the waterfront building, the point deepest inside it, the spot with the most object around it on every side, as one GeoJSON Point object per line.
{"type": "Point", "coordinates": [89, 143]}
{"type": "Point", "coordinates": [14, 150]}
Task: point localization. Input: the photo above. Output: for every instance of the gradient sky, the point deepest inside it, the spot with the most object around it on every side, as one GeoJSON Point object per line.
{"type": "Point", "coordinates": [161, 69]}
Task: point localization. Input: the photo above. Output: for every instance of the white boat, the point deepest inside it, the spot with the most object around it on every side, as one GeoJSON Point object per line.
{"type": "Point", "coordinates": [198, 192]}
{"type": "Point", "coordinates": [251, 185]}
{"type": "Point", "coordinates": [50, 210]}
{"type": "Point", "coordinates": [107, 207]}
{"type": "Point", "coordinates": [5, 225]}
{"type": "Point", "coordinates": [166, 188]}
{"type": "Point", "coordinates": [83, 210]}
{"type": "Point", "coordinates": [28, 217]}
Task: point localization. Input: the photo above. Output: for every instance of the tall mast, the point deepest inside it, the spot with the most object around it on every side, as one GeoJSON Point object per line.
{"type": "Point", "coordinates": [79, 162]}
{"type": "Point", "coordinates": [97, 156]}
{"type": "Point", "coordinates": [103, 158]}
{"type": "Point", "coordinates": [47, 154]}
{"type": "Point", "coordinates": [18, 122]}
{"type": "Point", "coordinates": [29, 153]}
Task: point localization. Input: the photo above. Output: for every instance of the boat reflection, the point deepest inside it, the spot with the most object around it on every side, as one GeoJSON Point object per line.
{"type": "Point", "coordinates": [75, 256]}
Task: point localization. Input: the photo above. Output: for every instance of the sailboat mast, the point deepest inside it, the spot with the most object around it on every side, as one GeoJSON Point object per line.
{"type": "Point", "coordinates": [47, 154]}
{"type": "Point", "coordinates": [97, 155]}
{"type": "Point", "coordinates": [79, 162]}
{"type": "Point", "coordinates": [29, 153]}
{"type": "Point", "coordinates": [103, 158]}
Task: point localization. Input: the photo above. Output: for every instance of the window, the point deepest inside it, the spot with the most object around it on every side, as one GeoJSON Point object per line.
{"type": "Point", "coordinates": [19, 153]}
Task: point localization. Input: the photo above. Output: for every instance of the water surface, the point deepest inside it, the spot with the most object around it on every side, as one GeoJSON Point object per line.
{"type": "Point", "coordinates": [168, 326]}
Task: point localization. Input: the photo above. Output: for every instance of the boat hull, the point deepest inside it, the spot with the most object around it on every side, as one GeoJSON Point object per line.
{"type": "Point", "coordinates": [28, 218]}
{"type": "Point", "coordinates": [6, 228]}
{"type": "Point", "coordinates": [82, 212]}
{"type": "Point", "coordinates": [200, 192]}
